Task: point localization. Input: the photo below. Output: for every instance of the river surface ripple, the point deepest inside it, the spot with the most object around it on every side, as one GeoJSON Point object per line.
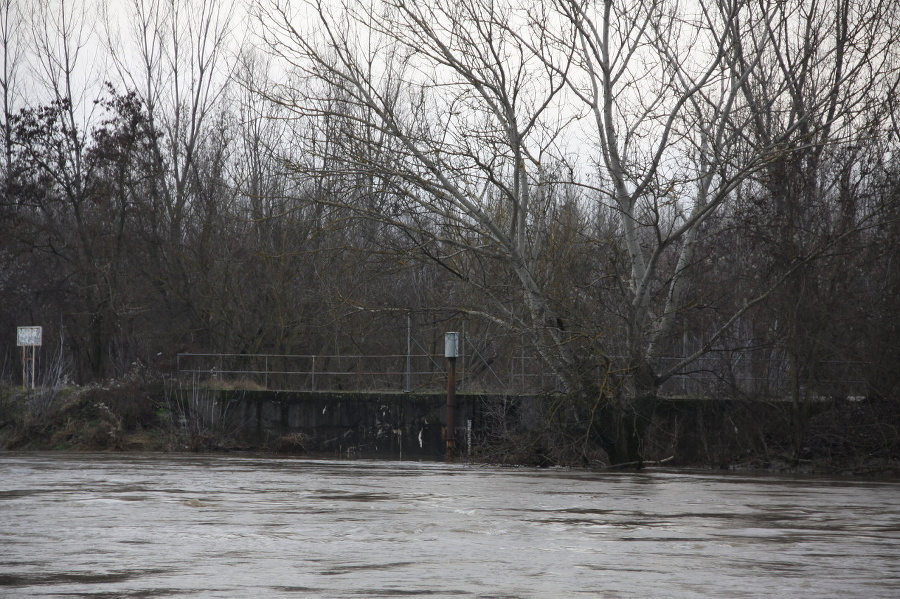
{"type": "Point", "coordinates": [112, 525]}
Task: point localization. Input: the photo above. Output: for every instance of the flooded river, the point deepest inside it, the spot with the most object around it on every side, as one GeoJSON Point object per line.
{"type": "Point", "coordinates": [222, 526]}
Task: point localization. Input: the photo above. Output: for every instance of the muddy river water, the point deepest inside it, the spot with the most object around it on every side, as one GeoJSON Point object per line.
{"type": "Point", "coordinates": [112, 525]}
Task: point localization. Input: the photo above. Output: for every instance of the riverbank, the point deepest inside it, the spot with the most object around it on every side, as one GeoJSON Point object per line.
{"type": "Point", "coordinates": [858, 436]}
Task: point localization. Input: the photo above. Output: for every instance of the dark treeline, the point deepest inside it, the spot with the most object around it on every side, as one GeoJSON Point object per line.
{"type": "Point", "coordinates": [647, 200]}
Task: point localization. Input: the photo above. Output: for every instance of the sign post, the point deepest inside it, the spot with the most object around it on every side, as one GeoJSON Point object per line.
{"type": "Point", "coordinates": [451, 351]}
{"type": "Point", "coordinates": [29, 339]}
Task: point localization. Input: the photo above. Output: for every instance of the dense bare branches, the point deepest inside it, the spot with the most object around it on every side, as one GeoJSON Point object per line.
{"type": "Point", "coordinates": [624, 188]}
{"type": "Point", "coordinates": [445, 113]}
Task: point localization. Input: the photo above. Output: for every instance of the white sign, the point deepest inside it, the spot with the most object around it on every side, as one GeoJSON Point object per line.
{"type": "Point", "coordinates": [28, 336]}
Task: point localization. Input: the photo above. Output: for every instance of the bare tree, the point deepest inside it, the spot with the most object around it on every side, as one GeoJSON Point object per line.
{"type": "Point", "coordinates": [821, 92]}
{"type": "Point", "coordinates": [677, 92]}
{"type": "Point", "coordinates": [12, 42]}
{"type": "Point", "coordinates": [452, 120]}
{"type": "Point", "coordinates": [177, 57]}
{"type": "Point", "coordinates": [446, 126]}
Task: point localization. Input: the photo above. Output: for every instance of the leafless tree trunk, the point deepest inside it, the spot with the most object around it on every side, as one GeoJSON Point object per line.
{"type": "Point", "coordinates": [12, 40]}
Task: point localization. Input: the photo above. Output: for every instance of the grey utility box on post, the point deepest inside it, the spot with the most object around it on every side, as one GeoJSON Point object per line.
{"type": "Point", "coordinates": [451, 345]}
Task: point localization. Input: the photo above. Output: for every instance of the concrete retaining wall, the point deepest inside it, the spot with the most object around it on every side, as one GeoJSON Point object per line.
{"type": "Point", "coordinates": [389, 425]}
{"type": "Point", "coordinates": [407, 425]}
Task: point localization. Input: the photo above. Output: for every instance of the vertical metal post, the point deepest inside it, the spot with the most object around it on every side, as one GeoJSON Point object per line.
{"type": "Point", "coordinates": [523, 367]}
{"type": "Point", "coordinates": [29, 365]}
{"type": "Point", "coordinates": [451, 407]}
{"type": "Point", "coordinates": [313, 374]}
{"type": "Point", "coordinates": [462, 355]}
{"type": "Point", "coordinates": [541, 365]}
{"type": "Point", "coordinates": [266, 375]}
{"type": "Point", "coordinates": [408, 387]}
{"type": "Point", "coordinates": [451, 351]}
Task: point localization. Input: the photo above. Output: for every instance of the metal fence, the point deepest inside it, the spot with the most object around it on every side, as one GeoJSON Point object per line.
{"type": "Point", "coordinates": [315, 372]}
{"type": "Point", "coordinates": [725, 375]}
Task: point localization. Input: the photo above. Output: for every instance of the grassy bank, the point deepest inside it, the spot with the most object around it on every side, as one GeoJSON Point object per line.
{"type": "Point", "coordinates": [122, 415]}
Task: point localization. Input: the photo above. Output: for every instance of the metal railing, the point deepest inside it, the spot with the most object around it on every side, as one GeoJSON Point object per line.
{"type": "Point", "coordinates": [400, 372]}
{"type": "Point", "coordinates": [711, 376]}
{"type": "Point", "coordinates": [727, 375]}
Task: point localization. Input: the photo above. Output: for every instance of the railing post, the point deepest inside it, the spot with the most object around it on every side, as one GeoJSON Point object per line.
{"type": "Point", "coordinates": [313, 375]}
{"type": "Point", "coordinates": [524, 386]}
{"type": "Point", "coordinates": [408, 388]}
{"type": "Point", "coordinates": [462, 355]}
